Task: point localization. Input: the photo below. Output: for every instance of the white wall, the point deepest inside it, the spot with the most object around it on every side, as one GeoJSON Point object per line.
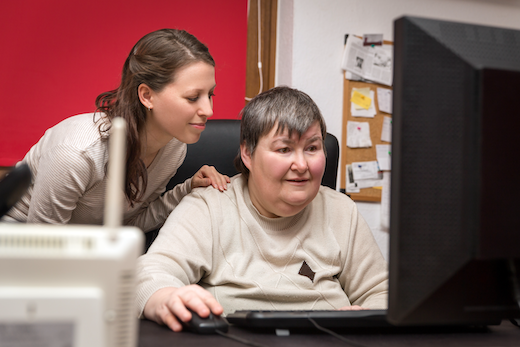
{"type": "Point", "coordinates": [310, 47]}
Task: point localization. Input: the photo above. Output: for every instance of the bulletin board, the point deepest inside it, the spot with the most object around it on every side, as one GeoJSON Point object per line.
{"type": "Point", "coordinates": [350, 155]}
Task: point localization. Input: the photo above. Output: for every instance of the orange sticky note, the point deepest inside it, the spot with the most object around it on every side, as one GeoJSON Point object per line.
{"type": "Point", "coordinates": [361, 100]}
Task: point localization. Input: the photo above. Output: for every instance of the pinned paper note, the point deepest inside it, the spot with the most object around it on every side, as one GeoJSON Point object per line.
{"type": "Point", "coordinates": [364, 170]}
{"type": "Point", "coordinates": [384, 100]}
{"type": "Point", "coordinates": [361, 100]}
{"type": "Point", "coordinates": [372, 39]}
{"type": "Point", "coordinates": [369, 178]}
{"type": "Point", "coordinates": [385, 202]}
{"type": "Point", "coordinates": [358, 111]}
{"type": "Point", "coordinates": [386, 131]}
{"type": "Point", "coordinates": [384, 155]}
{"type": "Point", "coordinates": [373, 63]}
{"type": "Point", "coordinates": [365, 91]}
{"type": "Point", "coordinates": [358, 134]}
{"type": "Point", "coordinates": [352, 186]}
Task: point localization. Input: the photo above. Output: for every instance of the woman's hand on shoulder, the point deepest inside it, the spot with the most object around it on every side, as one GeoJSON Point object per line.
{"type": "Point", "coordinates": [169, 306]}
{"type": "Point", "coordinates": [208, 175]}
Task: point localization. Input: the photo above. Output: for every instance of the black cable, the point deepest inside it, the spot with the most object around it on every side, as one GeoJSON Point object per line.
{"type": "Point", "coordinates": [516, 288]}
{"type": "Point", "coordinates": [514, 280]}
{"type": "Point", "coordinates": [330, 332]}
{"type": "Point", "coordinates": [239, 339]}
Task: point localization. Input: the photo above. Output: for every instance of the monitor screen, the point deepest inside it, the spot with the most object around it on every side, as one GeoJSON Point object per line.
{"type": "Point", "coordinates": [454, 227]}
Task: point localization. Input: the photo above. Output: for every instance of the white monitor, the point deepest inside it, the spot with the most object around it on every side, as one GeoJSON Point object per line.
{"type": "Point", "coordinates": [68, 285]}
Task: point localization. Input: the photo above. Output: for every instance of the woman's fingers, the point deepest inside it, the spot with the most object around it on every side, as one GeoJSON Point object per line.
{"type": "Point", "coordinates": [208, 175]}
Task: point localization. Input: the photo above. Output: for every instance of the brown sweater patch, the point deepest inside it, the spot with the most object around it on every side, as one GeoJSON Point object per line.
{"type": "Point", "coordinates": [306, 271]}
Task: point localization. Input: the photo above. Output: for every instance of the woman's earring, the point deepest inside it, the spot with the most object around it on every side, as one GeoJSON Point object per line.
{"type": "Point", "coordinates": [149, 108]}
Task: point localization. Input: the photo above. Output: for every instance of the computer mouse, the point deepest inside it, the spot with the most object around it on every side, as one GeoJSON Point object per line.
{"type": "Point", "coordinates": [208, 325]}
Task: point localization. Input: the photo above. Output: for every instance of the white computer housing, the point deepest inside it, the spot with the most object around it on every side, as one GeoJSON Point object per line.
{"type": "Point", "coordinates": [72, 285]}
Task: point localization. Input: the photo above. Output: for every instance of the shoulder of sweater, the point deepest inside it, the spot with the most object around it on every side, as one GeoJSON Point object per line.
{"type": "Point", "coordinates": [75, 142]}
{"type": "Point", "coordinates": [234, 188]}
{"type": "Point", "coordinates": [338, 213]}
{"type": "Point", "coordinates": [334, 203]}
{"type": "Point", "coordinates": [83, 120]}
{"type": "Point", "coordinates": [328, 193]}
{"type": "Point", "coordinates": [80, 131]}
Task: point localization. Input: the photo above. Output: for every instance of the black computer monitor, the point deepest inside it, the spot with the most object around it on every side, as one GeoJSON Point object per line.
{"type": "Point", "coordinates": [455, 211]}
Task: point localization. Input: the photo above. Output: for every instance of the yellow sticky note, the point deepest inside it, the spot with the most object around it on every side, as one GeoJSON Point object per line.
{"type": "Point", "coordinates": [365, 91]}
{"type": "Point", "coordinates": [361, 100]}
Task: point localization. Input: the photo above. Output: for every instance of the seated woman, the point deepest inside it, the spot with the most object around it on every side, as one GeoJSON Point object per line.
{"type": "Point", "coordinates": [276, 239]}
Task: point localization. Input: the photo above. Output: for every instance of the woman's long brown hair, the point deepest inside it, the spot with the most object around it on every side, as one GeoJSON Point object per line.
{"type": "Point", "coordinates": [153, 61]}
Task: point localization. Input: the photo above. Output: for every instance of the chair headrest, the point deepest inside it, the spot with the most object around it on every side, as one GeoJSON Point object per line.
{"type": "Point", "coordinates": [13, 187]}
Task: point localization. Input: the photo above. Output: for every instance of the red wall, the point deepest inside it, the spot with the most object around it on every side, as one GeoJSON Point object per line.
{"type": "Point", "coordinates": [58, 55]}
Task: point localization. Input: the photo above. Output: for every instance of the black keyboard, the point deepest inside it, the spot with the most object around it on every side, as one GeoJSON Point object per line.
{"type": "Point", "coordinates": [300, 319]}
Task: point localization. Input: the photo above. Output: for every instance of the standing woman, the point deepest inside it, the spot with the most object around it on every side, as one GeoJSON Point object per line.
{"type": "Point", "coordinates": [165, 96]}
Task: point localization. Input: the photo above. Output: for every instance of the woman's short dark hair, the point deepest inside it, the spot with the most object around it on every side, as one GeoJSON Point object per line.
{"type": "Point", "coordinates": [153, 61]}
{"type": "Point", "coordinates": [284, 107]}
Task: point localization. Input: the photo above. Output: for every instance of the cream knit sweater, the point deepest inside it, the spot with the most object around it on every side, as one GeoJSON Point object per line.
{"type": "Point", "coordinates": [325, 257]}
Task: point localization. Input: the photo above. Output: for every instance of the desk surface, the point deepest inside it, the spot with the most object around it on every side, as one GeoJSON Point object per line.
{"type": "Point", "coordinates": [506, 334]}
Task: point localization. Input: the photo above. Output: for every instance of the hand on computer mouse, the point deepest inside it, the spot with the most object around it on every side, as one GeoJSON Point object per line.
{"type": "Point", "coordinates": [206, 325]}
{"type": "Point", "coordinates": [169, 305]}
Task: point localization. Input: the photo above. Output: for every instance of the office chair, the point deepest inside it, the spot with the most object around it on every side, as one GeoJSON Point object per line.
{"type": "Point", "coordinates": [218, 146]}
{"type": "Point", "coordinates": [13, 187]}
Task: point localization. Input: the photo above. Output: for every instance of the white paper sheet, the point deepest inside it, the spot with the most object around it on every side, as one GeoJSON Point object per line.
{"type": "Point", "coordinates": [358, 135]}
{"type": "Point", "coordinates": [351, 184]}
{"type": "Point", "coordinates": [384, 156]}
{"type": "Point", "coordinates": [385, 202]}
{"type": "Point", "coordinates": [362, 112]}
{"type": "Point", "coordinates": [371, 63]}
{"type": "Point", "coordinates": [354, 186]}
{"type": "Point", "coordinates": [384, 100]}
{"type": "Point", "coordinates": [364, 170]}
{"type": "Point", "coordinates": [386, 131]}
